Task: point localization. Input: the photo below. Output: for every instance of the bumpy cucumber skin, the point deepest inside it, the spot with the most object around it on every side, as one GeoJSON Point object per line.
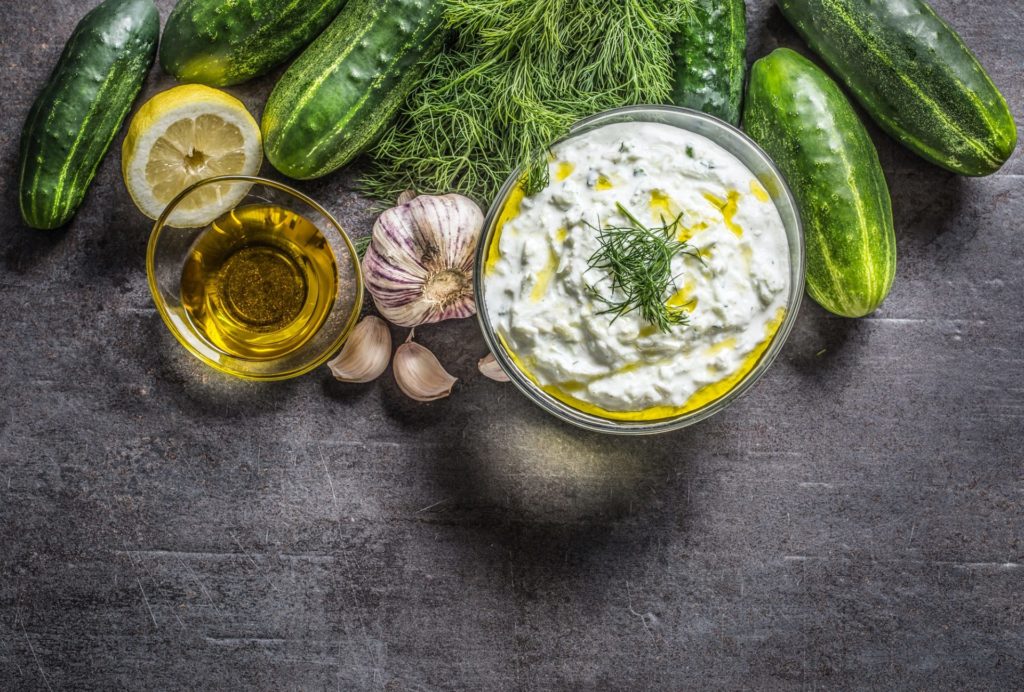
{"type": "Point", "coordinates": [221, 43]}
{"type": "Point", "coordinates": [802, 119]}
{"type": "Point", "coordinates": [710, 54]}
{"type": "Point", "coordinates": [339, 95]}
{"type": "Point", "coordinates": [81, 107]}
{"type": "Point", "coordinates": [913, 74]}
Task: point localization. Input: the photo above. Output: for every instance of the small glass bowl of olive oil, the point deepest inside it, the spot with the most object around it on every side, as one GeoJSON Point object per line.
{"type": "Point", "coordinates": [266, 291]}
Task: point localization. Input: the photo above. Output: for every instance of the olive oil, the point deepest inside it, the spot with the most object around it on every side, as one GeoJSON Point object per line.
{"type": "Point", "coordinates": [259, 282]}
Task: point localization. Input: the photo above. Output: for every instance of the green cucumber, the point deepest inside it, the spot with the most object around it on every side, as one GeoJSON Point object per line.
{"type": "Point", "coordinates": [222, 43]}
{"type": "Point", "coordinates": [913, 74]}
{"type": "Point", "coordinates": [802, 119]}
{"type": "Point", "coordinates": [710, 54]}
{"type": "Point", "coordinates": [81, 107]}
{"type": "Point", "coordinates": [339, 95]}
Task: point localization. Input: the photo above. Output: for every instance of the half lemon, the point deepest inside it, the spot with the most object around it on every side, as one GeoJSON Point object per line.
{"type": "Point", "coordinates": [184, 135]}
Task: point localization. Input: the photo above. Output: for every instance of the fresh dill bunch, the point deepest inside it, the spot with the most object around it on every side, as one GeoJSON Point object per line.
{"type": "Point", "coordinates": [638, 259]}
{"type": "Point", "coordinates": [516, 76]}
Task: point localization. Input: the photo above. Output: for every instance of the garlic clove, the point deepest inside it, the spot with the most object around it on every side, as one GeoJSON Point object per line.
{"type": "Point", "coordinates": [419, 267]}
{"type": "Point", "coordinates": [488, 367]}
{"type": "Point", "coordinates": [406, 197]}
{"type": "Point", "coordinates": [366, 354]}
{"type": "Point", "coordinates": [419, 373]}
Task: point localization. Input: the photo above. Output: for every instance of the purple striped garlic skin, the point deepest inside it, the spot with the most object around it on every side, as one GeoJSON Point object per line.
{"type": "Point", "coordinates": [419, 266]}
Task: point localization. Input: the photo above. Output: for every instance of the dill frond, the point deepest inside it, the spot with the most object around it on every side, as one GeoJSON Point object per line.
{"type": "Point", "coordinates": [517, 75]}
{"type": "Point", "coordinates": [638, 260]}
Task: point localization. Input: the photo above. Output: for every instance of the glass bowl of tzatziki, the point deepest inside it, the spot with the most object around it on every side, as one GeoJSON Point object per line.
{"type": "Point", "coordinates": [650, 279]}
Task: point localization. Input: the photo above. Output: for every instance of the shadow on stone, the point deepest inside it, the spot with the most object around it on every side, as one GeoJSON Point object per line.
{"type": "Point", "coordinates": [27, 247]}
{"type": "Point", "coordinates": [198, 388]}
{"type": "Point", "coordinates": [346, 392]}
{"type": "Point", "coordinates": [116, 247]}
{"type": "Point", "coordinates": [556, 494]}
{"type": "Point", "coordinates": [817, 338]}
{"type": "Point", "coordinates": [928, 207]}
{"type": "Point", "coordinates": [767, 29]}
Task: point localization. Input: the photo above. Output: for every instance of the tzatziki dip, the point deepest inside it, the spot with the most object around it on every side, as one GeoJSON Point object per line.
{"type": "Point", "coordinates": [548, 298]}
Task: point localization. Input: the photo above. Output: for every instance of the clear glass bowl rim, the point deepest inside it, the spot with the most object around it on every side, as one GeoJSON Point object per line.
{"type": "Point", "coordinates": [597, 424]}
{"type": "Point", "coordinates": [160, 225]}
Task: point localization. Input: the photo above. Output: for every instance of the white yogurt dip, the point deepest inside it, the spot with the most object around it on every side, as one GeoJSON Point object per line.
{"type": "Point", "coordinates": [540, 288]}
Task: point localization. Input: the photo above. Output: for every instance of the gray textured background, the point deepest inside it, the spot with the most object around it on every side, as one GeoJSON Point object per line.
{"type": "Point", "coordinates": [855, 521]}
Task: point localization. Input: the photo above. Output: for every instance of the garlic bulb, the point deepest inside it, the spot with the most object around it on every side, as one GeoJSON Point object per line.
{"type": "Point", "coordinates": [488, 367]}
{"type": "Point", "coordinates": [366, 353]}
{"type": "Point", "coordinates": [419, 267]}
{"type": "Point", "coordinates": [419, 373]}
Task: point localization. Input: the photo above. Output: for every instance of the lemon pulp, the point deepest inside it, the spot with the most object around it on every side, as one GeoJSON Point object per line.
{"type": "Point", "coordinates": [185, 135]}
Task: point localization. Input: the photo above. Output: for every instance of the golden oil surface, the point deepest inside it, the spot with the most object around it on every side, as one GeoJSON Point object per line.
{"type": "Point", "coordinates": [259, 282]}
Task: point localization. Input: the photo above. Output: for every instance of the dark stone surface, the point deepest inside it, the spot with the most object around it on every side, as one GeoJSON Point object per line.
{"type": "Point", "coordinates": [855, 521]}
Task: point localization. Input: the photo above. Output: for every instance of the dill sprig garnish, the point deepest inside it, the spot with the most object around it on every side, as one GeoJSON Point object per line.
{"type": "Point", "coordinates": [638, 260]}
{"type": "Point", "coordinates": [516, 75]}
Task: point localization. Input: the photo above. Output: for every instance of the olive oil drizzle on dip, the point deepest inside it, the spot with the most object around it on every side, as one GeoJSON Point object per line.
{"type": "Point", "coordinates": [707, 395]}
{"type": "Point", "coordinates": [540, 288]}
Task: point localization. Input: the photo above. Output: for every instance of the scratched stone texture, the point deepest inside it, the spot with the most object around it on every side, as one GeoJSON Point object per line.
{"type": "Point", "coordinates": [855, 521]}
